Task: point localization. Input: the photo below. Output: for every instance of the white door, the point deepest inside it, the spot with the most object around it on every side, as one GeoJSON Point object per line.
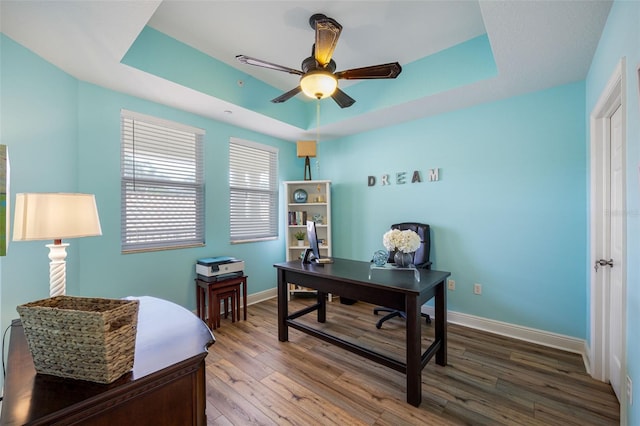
{"type": "Point", "coordinates": [617, 223]}
{"type": "Point", "coordinates": [607, 236]}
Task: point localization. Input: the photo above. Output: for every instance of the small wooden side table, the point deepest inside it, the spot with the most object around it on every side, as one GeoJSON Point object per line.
{"type": "Point", "coordinates": [223, 295]}
{"type": "Point", "coordinates": [205, 298]}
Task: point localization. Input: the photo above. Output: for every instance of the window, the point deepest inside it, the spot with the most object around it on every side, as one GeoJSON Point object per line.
{"type": "Point", "coordinates": [162, 184]}
{"type": "Point", "coordinates": [253, 198]}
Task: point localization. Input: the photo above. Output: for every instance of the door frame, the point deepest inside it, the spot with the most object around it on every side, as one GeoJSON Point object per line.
{"type": "Point", "coordinates": [612, 97]}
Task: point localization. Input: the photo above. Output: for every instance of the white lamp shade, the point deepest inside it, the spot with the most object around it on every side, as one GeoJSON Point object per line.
{"type": "Point", "coordinates": [318, 84]}
{"type": "Point", "coordinates": [54, 216]}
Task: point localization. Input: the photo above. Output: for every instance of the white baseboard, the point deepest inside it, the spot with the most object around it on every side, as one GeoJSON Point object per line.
{"type": "Point", "coordinates": [586, 357]}
{"type": "Point", "coordinates": [255, 298]}
{"type": "Point", "coordinates": [262, 296]}
{"type": "Point", "coordinates": [532, 335]}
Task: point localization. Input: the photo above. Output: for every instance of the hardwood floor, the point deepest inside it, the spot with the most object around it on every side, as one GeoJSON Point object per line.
{"type": "Point", "coordinates": [252, 378]}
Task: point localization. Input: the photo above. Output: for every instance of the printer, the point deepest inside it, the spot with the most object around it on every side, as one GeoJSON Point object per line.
{"type": "Point", "coordinates": [218, 268]}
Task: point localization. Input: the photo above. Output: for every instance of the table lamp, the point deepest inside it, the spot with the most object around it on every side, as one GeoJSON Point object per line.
{"type": "Point", "coordinates": [54, 216]}
{"type": "Point", "coordinates": [306, 149]}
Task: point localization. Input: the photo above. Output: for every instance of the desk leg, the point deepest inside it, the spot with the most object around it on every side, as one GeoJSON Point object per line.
{"type": "Point", "coordinates": [441, 323]}
{"type": "Point", "coordinates": [322, 308]}
{"type": "Point", "coordinates": [283, 307]}
{"type": "Point", "coordinates": [414, 352]}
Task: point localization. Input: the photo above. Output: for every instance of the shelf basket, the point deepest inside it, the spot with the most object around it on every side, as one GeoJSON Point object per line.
{"type": "Point", "coordinates": [82, 338]}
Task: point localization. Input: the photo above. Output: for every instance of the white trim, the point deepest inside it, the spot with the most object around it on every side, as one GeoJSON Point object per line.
{"type": "Point", "coordinates": [262, 296]}
{"type": "Point", "coordinates": [532, 335]}
{"type": "Point", "coordinates": [251, 144]}
{"type": "Point", "coordinates": [255, 297]}
{"type": "Point", "coordinates": [611, 98]}
{"type": "Point", "coordinates": [302, 182]}
{"type": "Point", "coordinates": [161, 122]}
{"type": "Point", "coordinates": [586, 359]}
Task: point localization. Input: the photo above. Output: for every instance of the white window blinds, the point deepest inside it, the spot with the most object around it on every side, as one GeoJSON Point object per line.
{"type": "Point", "coordinates": [162, 184]}
{"type": "Point", "coordinates": [253, 184]}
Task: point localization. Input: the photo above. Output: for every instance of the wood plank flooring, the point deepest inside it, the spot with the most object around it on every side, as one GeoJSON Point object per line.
{"type": "Point", "coordinates": [253, 379]}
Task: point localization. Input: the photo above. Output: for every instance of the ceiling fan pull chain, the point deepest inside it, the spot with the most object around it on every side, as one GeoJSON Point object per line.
{"type": "Point", "coordinates": [317, 131]}
{"type": "Point", "coordinates": [317, 120]}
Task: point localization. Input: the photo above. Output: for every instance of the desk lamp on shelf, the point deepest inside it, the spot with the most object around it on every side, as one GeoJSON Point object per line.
{"type": "Point", "coordinates": [55, 216]}
{"type": "Point", "coordinates": [306, 149]}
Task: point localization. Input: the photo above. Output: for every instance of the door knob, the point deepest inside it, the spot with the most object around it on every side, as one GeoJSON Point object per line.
{"type": "Point", "coordinates": [603, 262]}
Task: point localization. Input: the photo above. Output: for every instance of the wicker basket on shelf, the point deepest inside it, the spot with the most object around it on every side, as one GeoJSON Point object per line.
{"type": "Point", "coordinates": [81, 338]}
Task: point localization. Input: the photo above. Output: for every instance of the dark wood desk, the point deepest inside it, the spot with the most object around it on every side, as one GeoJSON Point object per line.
{"type": "Point", "coordinates": [165, 387]}
{"type": "Point", "coordinates": [395, 289]}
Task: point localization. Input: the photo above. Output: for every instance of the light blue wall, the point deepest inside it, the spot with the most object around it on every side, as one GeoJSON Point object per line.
{"type": "Point", "coordinates": [38, 123]}
{"type": "Point", "coordinates": [164, 56]}
{"type": "Point", "coordinates": [39, 126]}
{"type": "Point", "coordinates": [621, 38]}
{"type": "Point", "coordinates": [64, 135]}
{"type": "Point", "coordinates": [508, 211]}
{"type": "Point", "coordinates": [457, 66]}
{"type": "Point", "coordinates": [167, 274]}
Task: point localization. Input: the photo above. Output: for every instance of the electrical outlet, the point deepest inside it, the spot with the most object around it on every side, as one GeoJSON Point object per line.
{"type": "Point", "coordinates": [451, 285]}
{"type": "Point", "coordinates": [477, 288]}
{"type": "Point", "coordinates": [629, 390]}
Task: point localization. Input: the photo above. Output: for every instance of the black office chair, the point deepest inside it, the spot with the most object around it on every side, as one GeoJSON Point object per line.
{"type": "Point", "coordinates": [420, 260]}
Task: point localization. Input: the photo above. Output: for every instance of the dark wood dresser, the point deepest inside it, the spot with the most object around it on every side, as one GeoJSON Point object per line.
{"type": "Point", "coordinates": [165, 387]}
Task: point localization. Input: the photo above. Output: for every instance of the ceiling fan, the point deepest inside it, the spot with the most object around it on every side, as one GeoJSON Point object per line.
{"type": "Point", "coordinates": [319, 78]}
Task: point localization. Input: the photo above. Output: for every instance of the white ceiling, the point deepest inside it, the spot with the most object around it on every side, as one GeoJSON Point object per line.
{"type": "Point", "coordinates": [536, 44]}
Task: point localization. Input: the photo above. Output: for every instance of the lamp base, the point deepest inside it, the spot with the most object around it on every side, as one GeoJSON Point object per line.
{"type": "Point", "coordinates": [57, 269]}
{"type": "Point", "coordinates": [307, 168]}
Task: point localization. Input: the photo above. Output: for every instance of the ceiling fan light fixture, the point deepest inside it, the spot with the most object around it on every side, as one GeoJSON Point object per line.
{"type": "Point", "coordinates": [318, 84]}
{"type": "Point", "coordinates": [318, 76]}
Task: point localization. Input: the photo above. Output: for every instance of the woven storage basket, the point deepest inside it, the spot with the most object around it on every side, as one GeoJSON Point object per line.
{"type": "Point", "coordinates": [81, 338]}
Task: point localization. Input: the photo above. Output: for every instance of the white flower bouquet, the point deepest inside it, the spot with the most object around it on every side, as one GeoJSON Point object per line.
{"type": "Point", "coordinates": [406, 241]}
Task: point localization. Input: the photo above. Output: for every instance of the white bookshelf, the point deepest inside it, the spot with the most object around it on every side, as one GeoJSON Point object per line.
{"type": "Point", "coordinates": [318, 206]}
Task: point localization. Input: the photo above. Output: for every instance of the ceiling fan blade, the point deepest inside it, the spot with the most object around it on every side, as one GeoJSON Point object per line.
{"type": "Point", "coordinates": [286, 96]}
{"type": "Point", "coordinates": [391, 70]}
{"type": "Point", "coordinates": [327, 33]}
{"type": "Point", "coordinates": [248, 60]}
{"type": "Point", "coordinates": [342, 99]}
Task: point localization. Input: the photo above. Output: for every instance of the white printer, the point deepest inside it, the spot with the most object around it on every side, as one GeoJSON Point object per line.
{"type": "Point", "coordinates": [217, 266]}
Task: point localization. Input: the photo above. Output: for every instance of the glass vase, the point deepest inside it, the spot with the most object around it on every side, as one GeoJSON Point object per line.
{"type": "Point", "coordinates": [380, 258]}
{"type": "Point", "coordinates": [403, 260]}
